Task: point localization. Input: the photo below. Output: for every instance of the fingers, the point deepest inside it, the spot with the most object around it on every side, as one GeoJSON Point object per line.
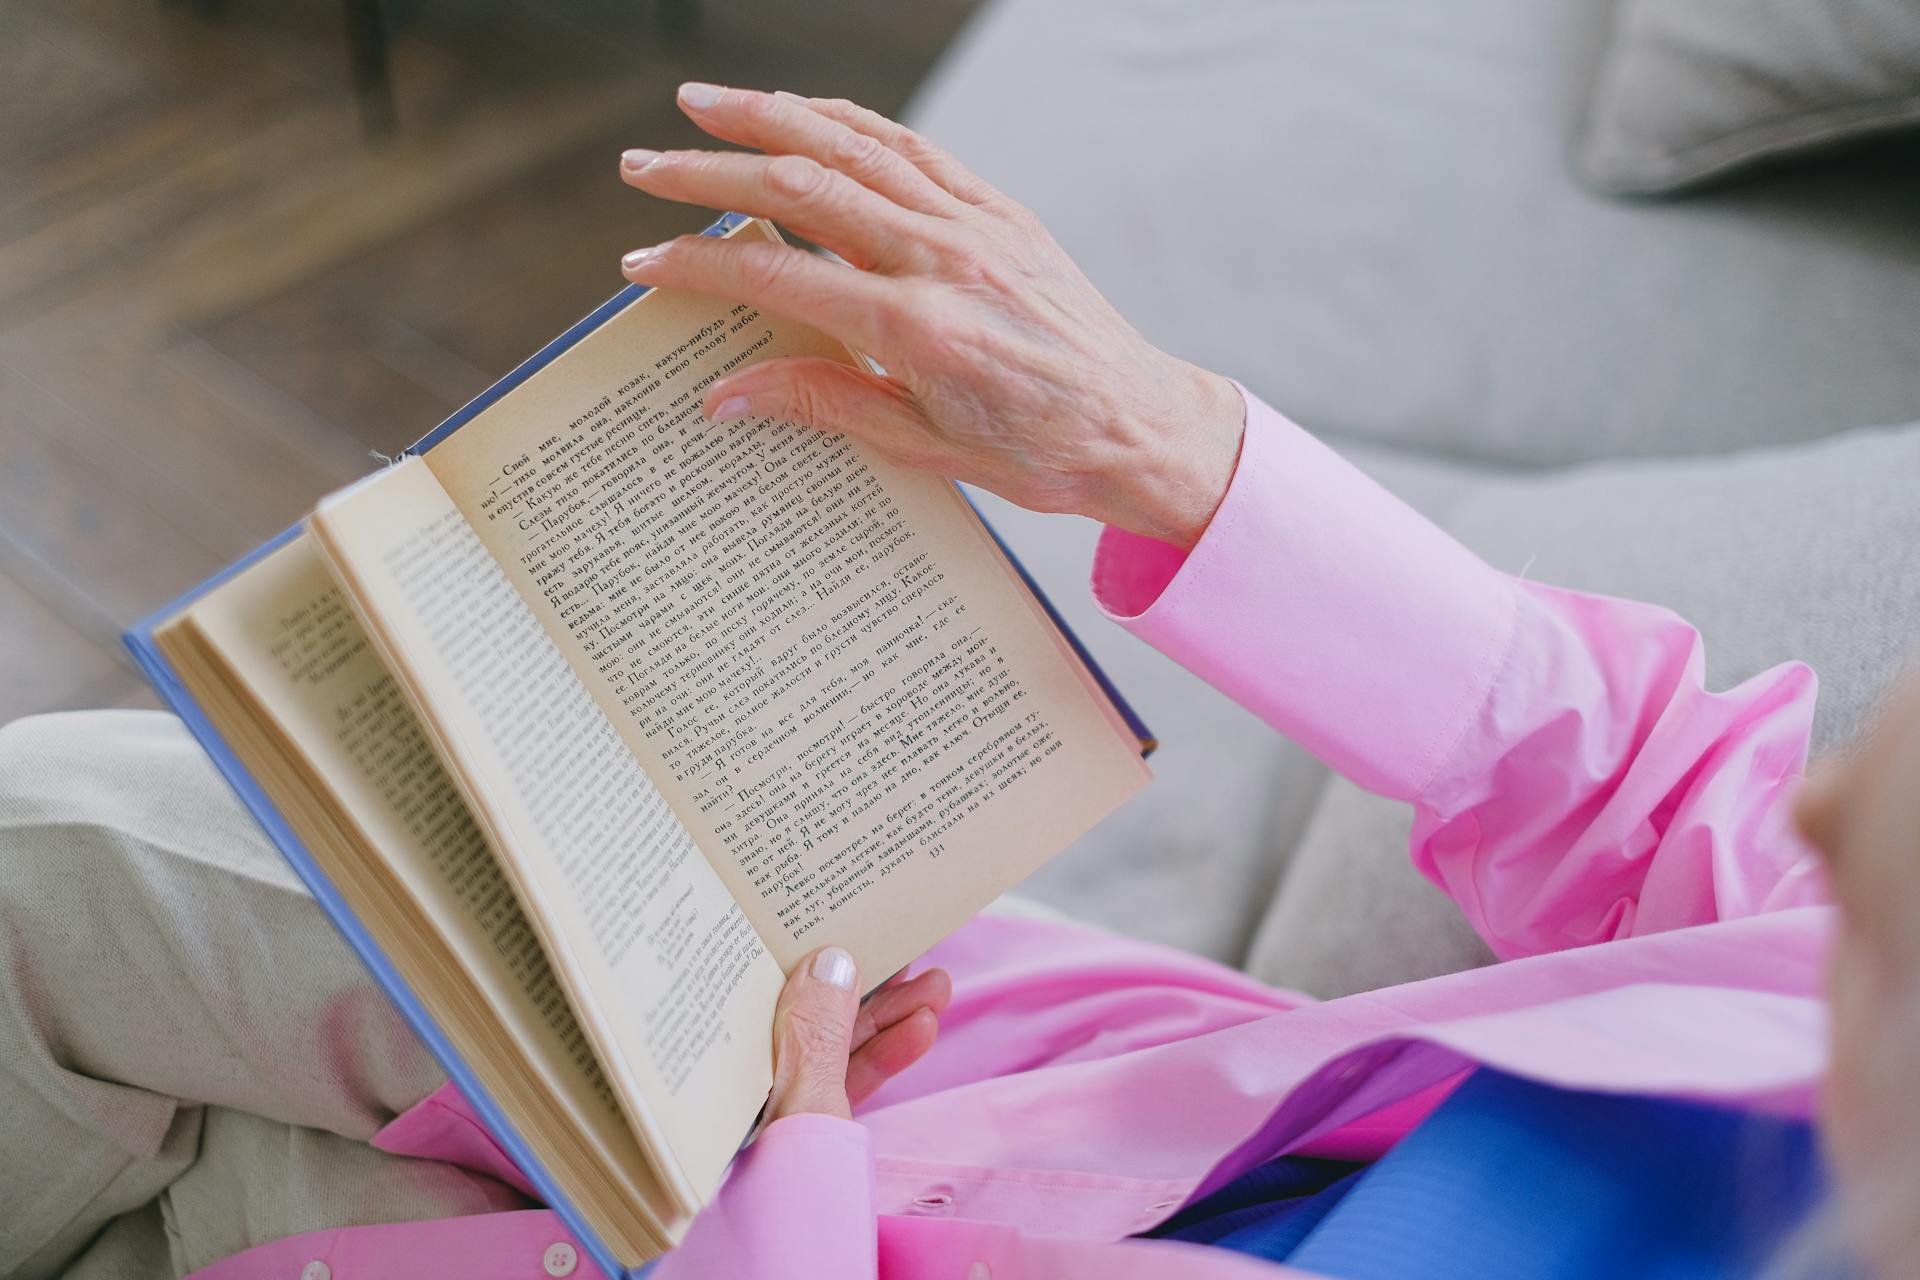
{"type": "Point", "coordinates": [890, 1052]}
{"type": "Point", "coordinates": [950, 174]}
{"type": "Point", "coordinates": [830, 396]}
{"type": "Point", "coordinates": [830, 1052]}
{"type": "Point", "coordinates": [822, 204]}
{"type": "Point", "coordinates": [782, 124]}
{"type": "Point", "coordinates": [896, 1001]}
{"type": "Point", "coordinates": [857, 307]}
{"type": "Point", "coordinates": [813, 1035]}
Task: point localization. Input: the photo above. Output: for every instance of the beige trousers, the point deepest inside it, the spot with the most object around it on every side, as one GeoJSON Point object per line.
{"type": "Point", "coordinates": [191, 1060]}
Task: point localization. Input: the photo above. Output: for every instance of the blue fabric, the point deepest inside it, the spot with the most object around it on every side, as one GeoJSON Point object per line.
{"type": "Point", "coordinates": [1275, 1204]}
{"type": "Point", "coordinates": [1512, 1178]}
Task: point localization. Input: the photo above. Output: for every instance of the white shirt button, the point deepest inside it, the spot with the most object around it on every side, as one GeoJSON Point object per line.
{"type": "Point", "coordinates": [560, 1259]}
{"type": "Point", "coordinates": [316, 1270]}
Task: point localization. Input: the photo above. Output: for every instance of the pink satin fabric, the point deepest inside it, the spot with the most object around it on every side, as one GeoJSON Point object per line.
{"type": "Point", "coordinates": [1616, 833]}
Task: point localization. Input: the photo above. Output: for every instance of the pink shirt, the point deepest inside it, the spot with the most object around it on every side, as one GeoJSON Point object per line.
{"type": "Point", "coordinates": [1615, 832]}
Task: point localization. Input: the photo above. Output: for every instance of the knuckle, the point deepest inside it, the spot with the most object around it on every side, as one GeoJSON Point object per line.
{"type": "Point", "coordinates": [816, 1037]}
{"type": "Point", "coordinates": [856, 153]}
{"type": "Point", "coordinates": [1019, 218]}
{"type": "Point", "coordinates": [898, 321]}
{"type": "Point", "coordinates": [967, 186]}
{"type": "Point", "coordinates": [758, 108]}
{"type": "Point", "coordinates": [797, 177]}
{"type": "Point", "coordinates": [674, 254]}
{"type": "Point", "coordinates": [969, 345]}
{"type": "Point", "coordinates": [804, 405]}
{"type": "Point", "coordinates": [984, 265]}
{"type": "Point", "coordinates": [764, 268]}
{"type": "Point", "coordinates": [915, 147]}
{"type": "Point", "coordinates": [968, 265]}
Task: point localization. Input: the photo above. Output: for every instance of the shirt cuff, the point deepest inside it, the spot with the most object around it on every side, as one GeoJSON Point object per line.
{"type": "Point", "coordinates": [799, 1201]}
{"type": "Point", "coordinates": [1324, 604]}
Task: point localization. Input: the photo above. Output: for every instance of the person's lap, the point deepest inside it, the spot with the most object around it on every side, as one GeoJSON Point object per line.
{"type": "Point", "coordinates": [194, 1055]}
{"type": "Point", "coordinates": [194, 1059]}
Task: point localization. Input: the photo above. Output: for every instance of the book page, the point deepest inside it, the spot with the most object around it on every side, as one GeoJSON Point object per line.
{"type": "Point", "coordinates": [672, 985]}
{"type": "Point", "coordinates": [822, 659]}
{"type": "Point", "coordinates": [288, 637]}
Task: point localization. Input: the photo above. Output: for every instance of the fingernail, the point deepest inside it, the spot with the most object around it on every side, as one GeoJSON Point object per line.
{"type": "Point", "coordinates": [639, 258]}
{"type": "Point", "coordinates": [790, 97]}
{"type": "Point", "coordinates": [726, 411]}
{"type": "Point", "coordinates": [700, 96]}
{"type": "Point", "coordinates": [637, 160]}
{"type": "Point", "coordinates": [833, 966]}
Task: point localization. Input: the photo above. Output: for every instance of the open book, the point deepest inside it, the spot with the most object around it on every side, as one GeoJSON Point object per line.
{"type": "Point", "coordinates": [589, 718]}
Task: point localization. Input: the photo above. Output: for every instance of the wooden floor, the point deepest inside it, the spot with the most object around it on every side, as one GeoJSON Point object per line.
{"type": "Point", "coordinates": [217, 295]}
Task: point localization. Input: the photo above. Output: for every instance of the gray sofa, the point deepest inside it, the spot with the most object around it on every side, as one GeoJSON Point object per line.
{"type": "Point", "coordinates": [1365, 210]}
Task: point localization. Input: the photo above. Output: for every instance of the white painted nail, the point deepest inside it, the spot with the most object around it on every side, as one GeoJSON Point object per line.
{"type": "Point", "coordinates": [700, 96]}
{"type": "Point", "coordinates": [832, 965]}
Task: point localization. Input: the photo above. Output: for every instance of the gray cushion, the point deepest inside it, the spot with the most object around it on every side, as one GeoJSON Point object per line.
{"type": "Point", "coordinates": [1691, 90]}
{"type": "Point", "coordinates": [1364, 211]}
{"type": "Point", "coordinates": [1804, 552]}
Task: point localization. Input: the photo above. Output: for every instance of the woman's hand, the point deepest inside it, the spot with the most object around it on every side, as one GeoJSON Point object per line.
{"type": "Point", "coordinates": [1004, 366]}
{"type": "Point", "coordinates": [830, 1051]}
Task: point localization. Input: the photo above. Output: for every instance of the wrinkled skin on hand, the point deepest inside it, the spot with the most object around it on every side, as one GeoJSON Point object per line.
{"type": "Point", "coordinates": [1005, 367]}
{"type": "Point", "coordinates": [830, 1051]}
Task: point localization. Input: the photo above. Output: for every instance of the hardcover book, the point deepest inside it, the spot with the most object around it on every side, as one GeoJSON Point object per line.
{"type": "Point", "coordinates": [587, 718]}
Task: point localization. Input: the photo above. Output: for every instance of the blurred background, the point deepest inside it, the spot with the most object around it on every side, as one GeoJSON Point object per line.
{"type": "Point", "coordinates": [1622, 294]}
{"type": "Point", "coordinates": [243, 242]}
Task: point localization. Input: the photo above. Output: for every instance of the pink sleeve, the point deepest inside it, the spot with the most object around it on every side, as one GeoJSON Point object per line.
{"type": "Point", "coordinates": [1571, 778]}
{"type": "Point", "coordinates": [798, 1202]}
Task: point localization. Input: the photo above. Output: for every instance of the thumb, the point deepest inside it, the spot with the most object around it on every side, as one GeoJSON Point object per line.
{"type": "Point", "coordinates": [829, 396]}
{"type": "Point", "coordinates": [812, 1036]}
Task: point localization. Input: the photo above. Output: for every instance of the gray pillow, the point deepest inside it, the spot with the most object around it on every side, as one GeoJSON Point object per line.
{"type": "Point", "coordinates": [1363, 210]}
{"type": "Point", "coordinates": [1805, 552]}
{"type": "Point", "coordinates": [1691, 90]}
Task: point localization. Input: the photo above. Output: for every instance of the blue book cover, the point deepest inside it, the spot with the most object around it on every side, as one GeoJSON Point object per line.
{"type": "Point", "coordinates": [146, 652]}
